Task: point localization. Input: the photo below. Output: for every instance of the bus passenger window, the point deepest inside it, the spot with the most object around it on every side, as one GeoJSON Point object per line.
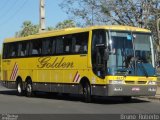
{"type": "Point", "coordinates": [59, 44]}
{"type": "Point", "coordinates": [77, 48]}
{"type": "Point", "coordinates": [13, 54]}
{"type": "Point", "coordinates": [80, 43]}
{"type": "Point", "coordinates": [22, 49]}
{"type": "Point", "coordinates": [49, 46]}
{"type": "Point", "coordinates": [85, 49]}
{"type": "Point", "coordinates": [67, 49]}
{"type": "Point", "coordinates": [34, 52]}
{"type": "Point", "coordinates": [67, 41]}
{"type": "Point", "coordinates": [36, 47]}
{"type": "Point", "coordinates": [5, 51]}
{"type": "Point", "coordinates": [13, 50]}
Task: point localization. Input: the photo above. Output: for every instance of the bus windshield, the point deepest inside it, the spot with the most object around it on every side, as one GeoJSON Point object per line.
{"type": "Point", "coordinates": [130, 54]}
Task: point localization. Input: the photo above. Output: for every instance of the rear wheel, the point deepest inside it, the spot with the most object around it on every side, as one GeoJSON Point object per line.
{"type": "Point", "coordinates": [19, 88]}
{"type": "Point", "coordinates": [29, 89]}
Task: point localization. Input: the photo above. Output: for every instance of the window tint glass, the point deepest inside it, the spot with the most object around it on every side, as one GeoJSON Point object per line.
{"type": "Point", "coordinates": [12, 50]}
{"type": "Point", "coordinates": [5, 51]}
{"type": "Point", "coordinates": [73, 44]}
{"type": "Point", "coordinates": [80, 42]}
{"type": "Point", "coordinates": [68, 44]}
{"type": "Point", "coordinates": [60, 46]}
{"type": "Point", "coordinates": [22, 50]}
{"type": "Point", "coordinates": [67, 41]}
{"type": "Point", "coordinates": [36, 47]}
{"type": "Point", "coordinates": [49, 47]}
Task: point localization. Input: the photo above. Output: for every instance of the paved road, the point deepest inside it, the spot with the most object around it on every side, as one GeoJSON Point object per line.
{"type": "Point", "coordinates": [47, 104]}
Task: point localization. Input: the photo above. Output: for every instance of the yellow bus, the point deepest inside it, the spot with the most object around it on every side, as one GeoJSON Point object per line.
{"type": "Point", "coordinates": [92, 61]}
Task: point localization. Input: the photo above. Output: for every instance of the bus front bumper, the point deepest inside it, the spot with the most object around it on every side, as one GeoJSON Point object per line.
{"type": "Point", "coordinates": [124, 90]}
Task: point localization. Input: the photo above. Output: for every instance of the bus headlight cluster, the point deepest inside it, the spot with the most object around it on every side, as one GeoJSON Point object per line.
{"type": "Point", "coordinates": [152, 89]}
{"type": "Point", "coordinates": [152, 83]}
{"type": "Point", "coordinates": [116, 82]}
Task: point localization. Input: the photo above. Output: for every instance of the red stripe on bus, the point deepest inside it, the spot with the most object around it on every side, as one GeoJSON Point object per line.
{"type": "Point", "coordinates": [78, 78]}
{"type": "Point", "coordinates": [75, 76]}
{"type": "Point", "coordinates": [15, 72]}
{"type": "Point", "coordinates": [12, 72]}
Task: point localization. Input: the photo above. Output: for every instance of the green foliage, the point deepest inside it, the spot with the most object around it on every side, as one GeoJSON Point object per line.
{"type": "Point", "coordinates": [65, 24]}
{"type": "Point", "coordinates": [123, 12]}
{"type": "Point", "coordinates": [27, 29]}
{"type": "Point", "coordinates": [30, 29]}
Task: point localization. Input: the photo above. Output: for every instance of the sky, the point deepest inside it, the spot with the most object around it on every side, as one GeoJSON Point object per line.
{"type": "Point", "coordinates": [14, 12]}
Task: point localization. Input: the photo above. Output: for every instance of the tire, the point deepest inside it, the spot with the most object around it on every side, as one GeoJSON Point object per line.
{"type": "Point", "coordinates": [29, 89]}
{"type": "Point", "coordinates": [19, 88]}
{"type": "Point", "coordinates": [87, 93]}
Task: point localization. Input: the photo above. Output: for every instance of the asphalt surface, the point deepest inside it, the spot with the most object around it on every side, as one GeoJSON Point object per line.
{"type": "Point", "coordinates": [44, 103]}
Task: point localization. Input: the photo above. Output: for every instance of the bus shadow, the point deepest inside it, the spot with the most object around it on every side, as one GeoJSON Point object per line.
{"type": "Point", "coordinates": [8, 92]}
{"type": "Point", "coordinates": [76, 98]}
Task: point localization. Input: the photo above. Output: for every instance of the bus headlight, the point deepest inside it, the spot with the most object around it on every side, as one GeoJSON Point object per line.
{"type": "Point", "coordinates": [116, 82]}
{"type": "Point", "coordinates": [152, 83]}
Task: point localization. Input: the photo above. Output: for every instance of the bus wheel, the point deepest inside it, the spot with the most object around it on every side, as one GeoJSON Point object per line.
{"type": "Point", "coordinates": [87, 93]}
{"type": "Point", "coordinates": [29, 89]}
{"type": "Point", "coordinates": [19, 88]}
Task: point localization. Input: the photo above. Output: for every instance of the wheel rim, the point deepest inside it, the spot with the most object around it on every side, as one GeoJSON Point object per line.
{"type": "Point", "coordinates": [19, 88]}
{"type": "Point", "coordinates": [85, 92]}
{"type": "Point", "coordinates": [29, 88]}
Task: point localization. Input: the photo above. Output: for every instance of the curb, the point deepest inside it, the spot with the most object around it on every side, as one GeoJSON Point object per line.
{"type": "Point", "coordinates": [157, 98]}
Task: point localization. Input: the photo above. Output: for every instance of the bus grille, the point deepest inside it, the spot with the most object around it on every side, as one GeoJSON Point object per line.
{"type": "Point", "coordinates": [130, 82]}
{"type": "Point", "coordinates": [136, 82]}
{"type": "Point", "coordinates": [142, 82]}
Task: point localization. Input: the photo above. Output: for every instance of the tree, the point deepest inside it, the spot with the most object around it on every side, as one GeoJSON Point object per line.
{"type": "Point", "coordinates": [27, 29]}
{"type": "Point", "coordinates": [30, 29]}
{"type": "Point", "coordinates": [123, 12]}
{"type": "Point", "coordinates": [65, 24]}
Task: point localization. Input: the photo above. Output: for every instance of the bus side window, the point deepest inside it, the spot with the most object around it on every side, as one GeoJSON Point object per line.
{"type": "Point", "coordinates": [5, 51]}
{"type": "Point", "coordinates": [46, 48]}
{"type": "Point", "coordinates": [80, 42]}
{"type": "Point", "coordinates": [49, 46]}
{"type": "Point", "coordinates": [36, 47]}
{"type": "Point", "coordinates": [60, 46]}
{"type": "Point", "coordinates": [77, 48]}
{"type": "Point", "coordinates": [67, 42]}
{"type": "Point", "coordinates": [13, 50]}
{"type": "Point", "coordinates": [22, 49]}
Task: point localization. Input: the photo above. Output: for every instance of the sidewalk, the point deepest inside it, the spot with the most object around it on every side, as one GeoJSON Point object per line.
{"type": "Point", "coordinates": [156, 97]}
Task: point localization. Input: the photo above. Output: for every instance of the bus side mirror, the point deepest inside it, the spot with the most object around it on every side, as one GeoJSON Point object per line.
{"type": "Point", "coordinates": [100, 45]}
{"type": "Point", "coordinates": [106, 54]}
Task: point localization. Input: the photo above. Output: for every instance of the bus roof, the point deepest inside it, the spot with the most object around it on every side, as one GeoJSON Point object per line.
{"type": "Point", "coordinates": [76, 30]}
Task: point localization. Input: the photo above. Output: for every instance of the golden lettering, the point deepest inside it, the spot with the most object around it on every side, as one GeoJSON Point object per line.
{"type": "Point", "coordinates": [47, 62]}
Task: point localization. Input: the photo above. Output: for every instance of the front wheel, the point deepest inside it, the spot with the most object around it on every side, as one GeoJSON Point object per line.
{"type": "Point", "coordinates": [29, 89]}
{"type": "Point", "coordinates": [87, 93]}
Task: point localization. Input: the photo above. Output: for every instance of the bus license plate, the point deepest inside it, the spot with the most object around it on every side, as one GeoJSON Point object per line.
{"type": "Point", "coordinates": [136, 89]}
